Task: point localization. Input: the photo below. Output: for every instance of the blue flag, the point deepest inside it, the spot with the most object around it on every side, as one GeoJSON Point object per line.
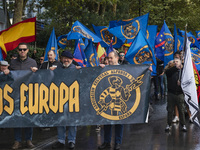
{"type": "Point", "coordinates": [151, 37]}
{"type": "Point", "coordinates": [81, 45]}
{"type": "Point", "coordinates": [180, 43]}
{"type": "Point", "coordinates": [191, 37]}
{"type": "Point", "coordinates": [164, 45]}
{"type": "Point", "coordinates": [196, 58]}
{"type": "Point", "coordinates": [1, 55]}
{"type": "Point", "coordinates": [91, 55]}
{"type": "Point", "coordinates": [109, 49]}
{"type": "Point", "coordinates": [106, 36]}
{"type": "Point", "coordinates": [128, 29]}
{"type": "Point", "coordinates": [51, 45]}
{"type": "Point", "coordinates": [78, 55]}
{"type": "Point", "coordinates": [140, 51]}
{"type": "Point", "coordinates": [151, 34]}
{"type": "Point", "coordinates": [79, 31]}
{"type": "Point", "coordinates": [62, 41]}
{"type": "Point", "coordinates": [197, 34]}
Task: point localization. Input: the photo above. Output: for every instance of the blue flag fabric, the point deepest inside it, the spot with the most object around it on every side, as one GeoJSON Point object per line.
{"type": "Point", "coordinates": [62, 41]}
{"type": "Point", "coordinates": [91, 55]}
{"type": "Point", "coordinates": [197, 34]}
{"type": "Point", "coordinates": [109, 49]}
{"type": "Point", "coordinates": [191, 37]}
{"type": "Point", "coordinates": [151, 34]}
{"type": "Point", "coordinates": [140, 51]}
{"type": "Point", "coordinates": [180, 43]}
{"type": "Point", "coordinates": [78, 55]}
{"type": "Point", "coordinates": [164, 45]}
{"type": "Point", "coordinates": [107, 37]}
{"type": "Point", "coordinates": [128, 29]}
{"type": "Point", "coordinates": [82, 44]}
{"type": "Point", "coordinates": [154, 72]}
{"type": "Point", "coordinates": [1, 55]}
{"type": "Point", "coordinates": [196, 57]}
{"type": "Point", "coordinates": [51, 45]}
{"type": "Point", "coordinates": [82, 48]}
{"type": "Point", "coordinates": [151, 37]}
{"type": "Point", "coordinates": [79, 31]}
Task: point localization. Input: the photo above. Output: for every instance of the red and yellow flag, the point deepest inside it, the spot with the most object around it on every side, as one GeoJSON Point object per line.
{"type": "Point", "coordinates": [23, 31]}
{"type": "Point", "coordinates": [100, 51]}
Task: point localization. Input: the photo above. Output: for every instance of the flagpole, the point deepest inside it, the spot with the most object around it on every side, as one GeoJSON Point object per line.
{"type": "Point", "coordinates": [184, 47]}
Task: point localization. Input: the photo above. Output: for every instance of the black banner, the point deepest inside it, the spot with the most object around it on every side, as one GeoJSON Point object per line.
{"type": "Point", "coordinates": [67, 97]}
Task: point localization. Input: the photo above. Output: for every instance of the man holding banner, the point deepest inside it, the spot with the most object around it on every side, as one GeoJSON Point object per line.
{"type": "Point", "coordinates": [67, 59]}
{"type": "Point", "coordinates": [113, 59]}
{"type": "Point", "coordinates": [23, 62]}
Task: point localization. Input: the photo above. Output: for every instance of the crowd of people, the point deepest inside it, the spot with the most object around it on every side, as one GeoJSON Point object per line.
{"type": "Point", "coordinates": [166, 83]}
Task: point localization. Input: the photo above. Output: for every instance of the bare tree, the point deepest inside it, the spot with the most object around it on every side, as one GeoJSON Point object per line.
{"type": "Point", "coordinates": [18, 10]}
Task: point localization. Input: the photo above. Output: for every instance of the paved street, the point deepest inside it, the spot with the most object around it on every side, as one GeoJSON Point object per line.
{"type": "Point", "coordinates": [149, 136]}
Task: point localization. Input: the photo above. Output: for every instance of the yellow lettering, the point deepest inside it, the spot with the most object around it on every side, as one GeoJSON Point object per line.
{"type": "Point", "coordinates": [74, 97]}
{"type": "Point", "coordinates": [63, 96]}
{"type": "Point", "coordinates": [43, 99]}
{"type": "Point", "coordinates": [33, 105]}
{"type": "Point", "coordinates": [53, 99]}
{"type": "Point", "coordinates": [23, 89]}
{"type": "Point", "coordinates": [9, 99]}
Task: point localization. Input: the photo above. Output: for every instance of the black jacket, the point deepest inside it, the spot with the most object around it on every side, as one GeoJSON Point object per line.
{"type": "Point", "coordinates": [18, 64]}
{"type": "Point", "coordinates": [48, 64]}
{"type": "Point", "coordinates": [172, 79]}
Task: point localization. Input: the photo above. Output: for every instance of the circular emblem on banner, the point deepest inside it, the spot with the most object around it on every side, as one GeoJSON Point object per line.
{"type": "Point", "coordinates": [107, 36]}
{"type": "Point", "coordinates": [92, 60]}
{"type": "Point", "coordinates": [169, 42]}
{"type": "Point", "coordinates": [63, 41]}
{"type": "Point", "coordinates": [79, 30]}
{"type": "Point", "coordinates": [143, 55]}
{"type": "Point", "coordinates": [130, 30]}
{"type": "Point", "coordinates": [191, 39]}
{"type": "Point", "coordinates": [115, 94]}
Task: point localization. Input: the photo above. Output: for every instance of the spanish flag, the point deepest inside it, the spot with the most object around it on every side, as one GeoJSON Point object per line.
{"type": "Point", "coordinates": [23, 31]}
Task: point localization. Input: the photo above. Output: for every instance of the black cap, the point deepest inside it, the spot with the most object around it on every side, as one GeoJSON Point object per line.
{"type": "Point", "coordinates": [67, 54]}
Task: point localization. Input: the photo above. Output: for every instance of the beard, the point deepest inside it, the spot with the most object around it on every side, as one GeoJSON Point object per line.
{"type": "Point", "coordinates": [66, 65]}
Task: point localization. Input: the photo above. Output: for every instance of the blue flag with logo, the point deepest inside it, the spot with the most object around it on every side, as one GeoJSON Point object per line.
{"type": "Point", "coordinates": [107, 37]}
{"type": "Point", "coordinates": [197, 34]}
{"type": "Point", "coordinates": [151, 34]}
{"type": "Point", "coordinates": [180, 43]}
{"type": "Point", "coordinates": [140, 51]}
{"type": "Point", "coordinates": [78, 55]}
{"type": "Point", "coordinates": [191, 37]}
{"type": "Point", "coordinates": [91, 55]}
{"type": "Point", "coordinates": [51, 45]}
{"type": "Point", "coordinates": [196, 57]}
{"type": "Point", "coordinates": [128, 29]}
{"type": "Point", "coordinates": [62, 41]}
{"type": "Point", "coordinates": [79, 31]}
{"type": "Point", "coordinates": [1, 55]}
{"type": "Point", "coordinates": [164, 45]}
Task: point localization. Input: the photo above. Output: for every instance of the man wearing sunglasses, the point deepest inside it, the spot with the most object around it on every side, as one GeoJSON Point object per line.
{"type": "Point", "coordinates": [122, 60]}
{"type": "Point", "coordinates": [23, 62]}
